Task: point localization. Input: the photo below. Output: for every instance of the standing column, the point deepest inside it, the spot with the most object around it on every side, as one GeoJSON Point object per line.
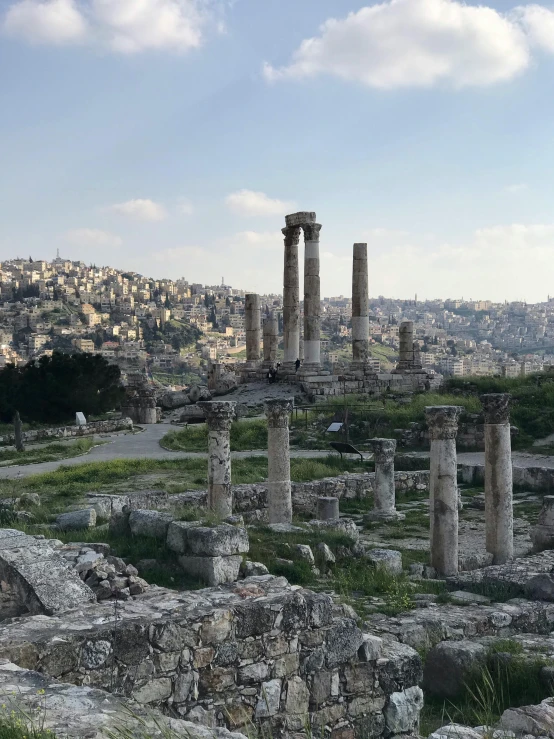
{"type": "Point", "coordinates": [384, 494]}
{"type": "Point", "coordinates": [499, 516]}
{"type": "Point", "coordinates": [291, 295]}
{"type": "Point", "coordinates": [360, 306]}
{"type": "Point", "coordinates": [278, 458]}
{"type": "Point", "coordinates": [271, 336]}
{"type": "Point", "coordinates": [406, 338]}
{"type": "Point", "coordinates": [312, 295]}
{"type": "Point", "coordinates": [219, 417]}
{"type": "Point", "coordinates": [253, 327]}
{"type": "Point", "coordinates": [443, 497]}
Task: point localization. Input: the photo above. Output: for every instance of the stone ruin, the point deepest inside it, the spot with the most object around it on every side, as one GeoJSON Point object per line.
{"type": "Point", "coordinates": [140, 401]}
{"type": "Point", "coordinates": [252, 650]}
{"type": "Point", "coordinates": [313, 379]}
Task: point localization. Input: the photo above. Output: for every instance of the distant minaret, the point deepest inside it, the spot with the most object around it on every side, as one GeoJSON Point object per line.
{"type": "Point", "coordinates": [416, 298]}
{"type": "Point", "coordinates": [57, 253]}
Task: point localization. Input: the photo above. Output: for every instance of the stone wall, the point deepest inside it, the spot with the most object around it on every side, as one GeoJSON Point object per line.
{"type": "Point", "coordinates": [533, 479]}
{"type": "Point", "coordinates": [258, 651]}
{"type": "Point", "coordinates": [68, 432]}
{"type": "Point", "coordinates": [251, 498]}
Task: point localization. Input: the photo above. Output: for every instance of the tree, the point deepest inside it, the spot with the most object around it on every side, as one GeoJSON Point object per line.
{"type": "Point", "coordinates": [53, 389]}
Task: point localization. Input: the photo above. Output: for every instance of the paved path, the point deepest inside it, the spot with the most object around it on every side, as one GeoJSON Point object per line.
{"type": "Point", "coordinates": [147, 445]}
{"type": "Point", "coordinates": [131, 446]}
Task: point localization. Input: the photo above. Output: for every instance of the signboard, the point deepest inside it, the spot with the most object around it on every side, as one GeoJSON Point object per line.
{"type": "Point", "coordinates": [80, 419]}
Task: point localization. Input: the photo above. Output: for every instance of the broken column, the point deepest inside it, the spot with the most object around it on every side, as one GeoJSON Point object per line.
{"type": "Point", "coordinates": [499, 517]}
{"type": "Point", "coordinates": [406, 339]}
{"type": "Point", "coordinates": [278, 460]}
{"type": "Point", "coordinates": [542, 534]}
{"type": "Point", "coordinates": [219, 417]}
{"type": "Point", "coordinates": [312, 297]}
{"type": "Point", "coordinates": [328, 508]}
{"type": "Point", "coordinates": [384, 494]}
{"type": "Point", "coordinates": [360, 306]}
{"type": "Point", "coordinates": [253, 327]}
{"type": "Point", "coordinates": [291, 292]}
{"type": "Point", "coordinates": [270, 339]}
{"type": "Point", "coordinates": [442, 421]}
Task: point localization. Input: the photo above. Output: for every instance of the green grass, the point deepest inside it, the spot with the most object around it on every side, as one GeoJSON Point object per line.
{"type": "Point", "coordinates": [17, 723]}
{"type": "Point", "coordinates": [47, 453]}
{"type": "Point", "coordinates": [245, 436]}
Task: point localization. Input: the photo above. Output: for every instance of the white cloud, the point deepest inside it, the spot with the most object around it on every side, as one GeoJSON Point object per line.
{"type": "Point", "coordinates": [185, 207]}
{"type": "Point", "coordinates": [516, 188]}
{"type": "Point", "coordinates": [538, 23]}
{"type": "Point", "coordinates": [510, 262]}
{"type": "Point", "coordinates": [92, 237]}
{"type": "Point", "coordinates": [250, 203]}
{"type": "Point", "coordinates": [141, 210]}
{"type": "Point", "coordinates": [417, 43]}
{"type": "Point", "coordinates": [49, 21]}
{"type": "Point", "coordinates": [123, 26]}
{"type": "Point", "coordinates": [261, 240]}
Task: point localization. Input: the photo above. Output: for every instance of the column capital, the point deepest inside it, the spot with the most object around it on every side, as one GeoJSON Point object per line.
{"type": "Point", "coordinates": [311, 231]}
{"type": "Point", "coordinates": [496, 407]}
{"type": "Point", "coordinates": [383, 450]}
{"type": "Point", "coordinates": [292, 235]}
{"type": "Point", "coordinates": [299, 219]}
{"type": "Point", "coordinates": [219, 413]}
{"type": "Point", "coordinates": [442, 421]}
{"type": "Point", "coordinates": [277, 411]}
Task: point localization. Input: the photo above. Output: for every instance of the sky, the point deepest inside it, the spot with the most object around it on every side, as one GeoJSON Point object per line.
{"type": "Point", "coordinates": [171, 137]}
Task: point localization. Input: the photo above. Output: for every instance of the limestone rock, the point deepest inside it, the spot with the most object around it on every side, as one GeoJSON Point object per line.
{"type": "Point", "coordinates": [389, 560]}
{"type": "Point", "coordinates": [149, 523]}
{"type": "Point", "coordinates": [305, 553]}
{"type": "Point", "coordinates": [324, 555]}
{"type": "Point", "coordinates": [403, 709]}
{"type": "Point", "coordinates": [530, 720]}
{"type": "Point", "coordinates": [252, 569]}
{"type": "Point", "coordinates": [540, 587]}
{"type": "Point", "coordinates": [219, 541]}
{"type": "Point", "coordinates": [172, 400]}
{"type": "Point", "coordinates": [448, 665]}
{"type": "Point", "coordinates": [212, 570]}
{"type": "Point", "coordinates": [455, 731]}
{"type": "Point", "coordinates": [76, 520]}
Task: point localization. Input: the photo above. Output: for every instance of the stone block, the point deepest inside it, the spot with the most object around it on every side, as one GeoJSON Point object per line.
{"type": "Point", "coordinates": [177, 534]}
{"type": "Point", "coordinates": [149, 523]}
{"type": "Point", "coordinates": [343, 642]}
{"type": "Point", "coordinates": [269, 700]}
{"type": "Point", "coordinates": [76, 520]}
{"type": "Point", "coordinates": [448, 665]}
{"type": "Point", "coordinates": [389, 560]}
{"type": "Point", "coordinates": [403, 709]}
{"type": "Point", "coordinates": [212, 570]}
{"type": "Point", "coordinates": [219, 541]}
{"type": "Point", "coordinates": [371, 648]}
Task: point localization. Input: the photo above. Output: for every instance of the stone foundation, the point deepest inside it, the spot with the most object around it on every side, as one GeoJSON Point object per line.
{"type": "Point", "coordinates": [258, 651]}
{"type": "Point", "coordinates": [68, 432]}
{"type": "Point", "coordinates": [533, 479]}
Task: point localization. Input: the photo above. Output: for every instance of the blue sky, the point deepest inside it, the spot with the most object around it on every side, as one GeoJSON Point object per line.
{"type": "Point", "coordinates": [171, 137]}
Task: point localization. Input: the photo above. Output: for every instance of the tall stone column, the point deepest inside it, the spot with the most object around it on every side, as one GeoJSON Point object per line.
{"type": "Point", "coordinates": [270, 338]}
{"type": "Point", "coordinates": [499, 516]}
{"type": "Point", "coordinates": [253, 327]}
{"type": "Point", "coordinates": [443, 498]}
{"type": "Point", "coordinates": [219, 417]}
{"type": "Point", "coordinates": [384, 494]}
{"type": "Point", "coordinates": [360, 306]}
{"type": "Point", "coordinates": [406, 339]}
{"type": "Point", "coordinates": [278, 458]}
{"type": "Point", "coordinates": [291, 295]}
{"type": "Point", "coordinates": [312, 295]}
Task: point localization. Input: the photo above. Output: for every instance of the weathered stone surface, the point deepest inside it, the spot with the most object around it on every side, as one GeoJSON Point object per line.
{"type": "Point", "coordinates": [172, 400]}
{"type": "Point", "coordinates": [455, 731]}
{"type": "Point", "coordinates": [343, 642]}
{"type": "Point", "coordinates": [540, 587]}
{"type": "Point", "coordinates": [250, 569]}
{"type": "Point", "coordinates": [41, 580]}
{"type": "Point", "coordinates": [70, 711]}
{"type": "Point", "coordinates": [212, 570]}
{"type": "Point", "coordinates": [512, 575]}
{"type": "Point", "coordinates": [389, 560]}
{"type": "Point", "coordinates": [403, 709]}
{"type": "Point", "coordinates": [448, 665]}
{"type": "Point", "coordinates": [218, 541]}
{"type": "Point", "coordinates": [530, 720]}
{"type": "Point", "coordinates": [75, 520]}
{"type": "Point", "coordinates": [150, 523]}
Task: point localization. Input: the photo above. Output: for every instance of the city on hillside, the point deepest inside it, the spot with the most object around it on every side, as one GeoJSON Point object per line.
{"type": "Point", "coordinates": [174, 328]}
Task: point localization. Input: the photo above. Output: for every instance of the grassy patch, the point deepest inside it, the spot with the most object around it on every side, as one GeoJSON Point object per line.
{"type": "Point", "coordinates": [47, 453]}
{"type": "Point", "coordinates": [245, 436]}
{"type": "Point", "coordinates": [490, 690]}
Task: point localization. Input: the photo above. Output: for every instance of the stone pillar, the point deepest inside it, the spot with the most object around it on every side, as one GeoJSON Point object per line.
{"type": "Point", "coordinates": [499, 517]}
{"type": "Point", "coordinates": [271, 339]}
{"type": "Point", "coordinates": [253, 327]}
{"type": "Point", "coordinates": [291, 295]}
{"type": "Point", "coordinates": [327, 509]}
{"type": "Point", "coordinates": [219, 416]}
{"type": "Point", "coordinates": [360, 306]}
{"type": "Point", "coordinates": [384, 494]}
{"type": "Point", "coordinates": [443, 498]}
{"type": "Point", "coordinates": [278, 459]}
{"type": "Point", "coordinates": [542, 534]}
{"type": "Point", "coordinates": [406, 338]}
{"type": "Point", "coordinates": [312, 296]}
